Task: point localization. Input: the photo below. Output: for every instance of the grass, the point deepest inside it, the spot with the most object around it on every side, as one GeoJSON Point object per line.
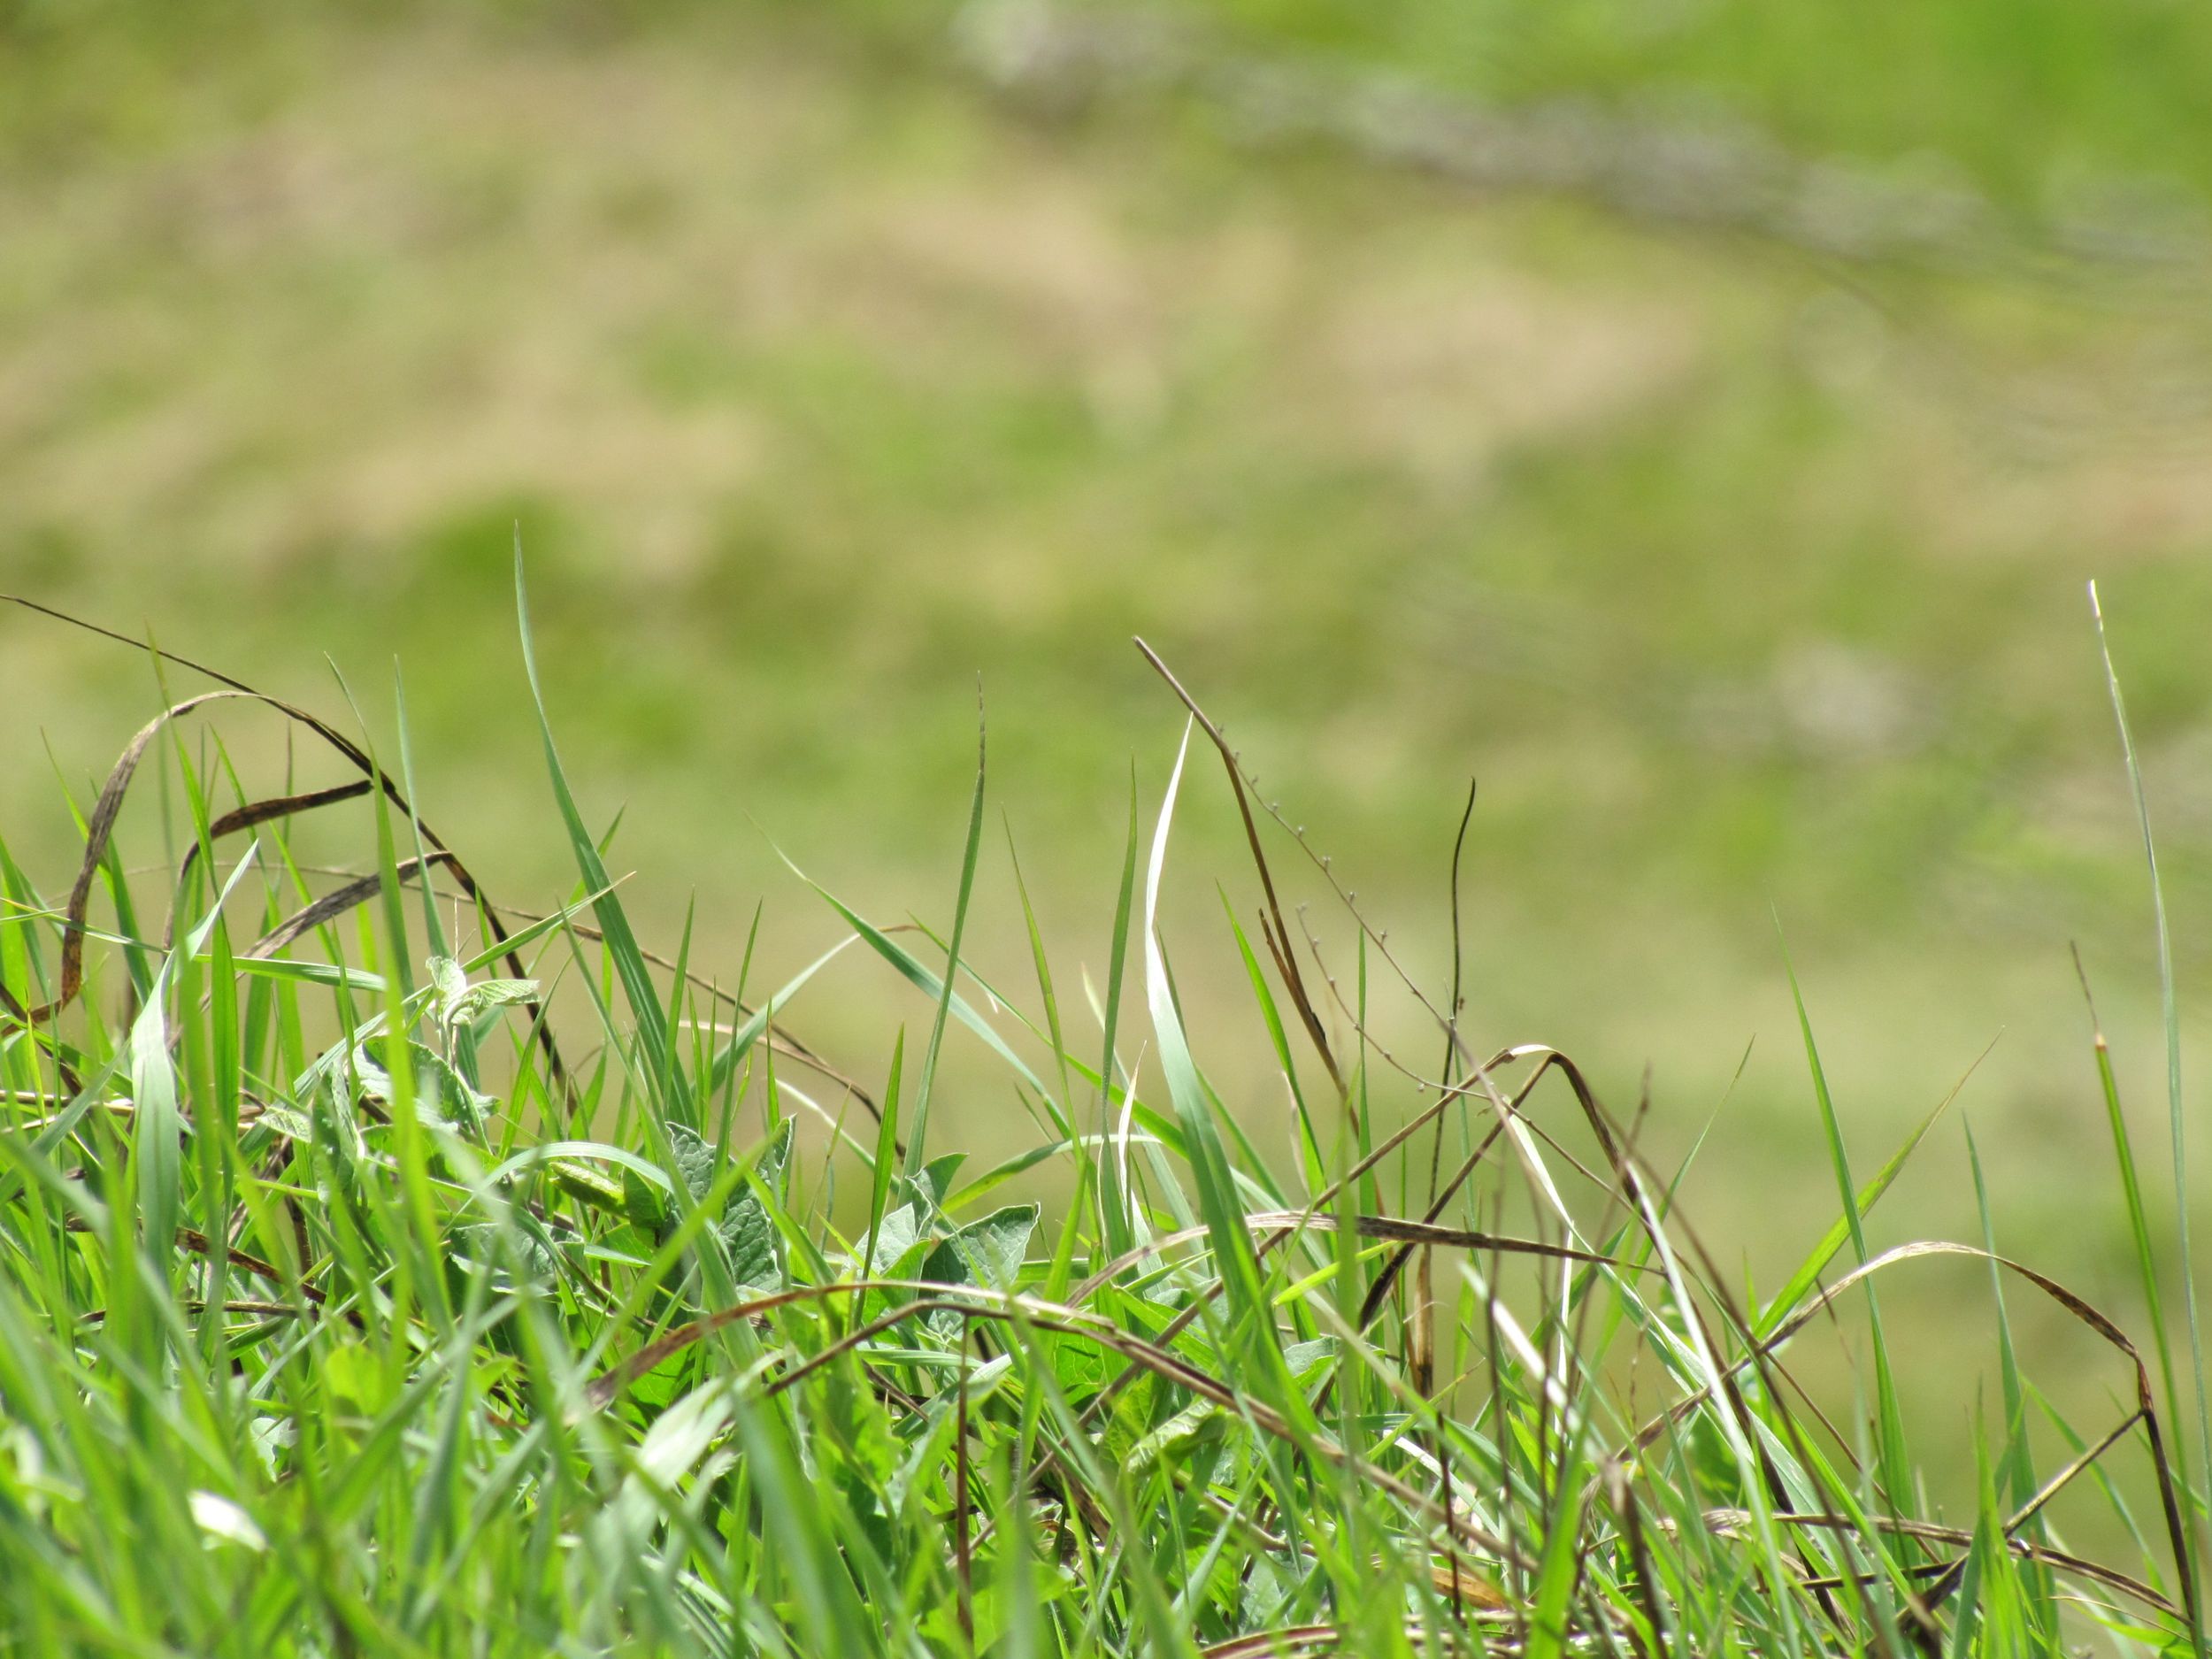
{"type": "Point", "coordinates": [390, 1272]}
{"type": "Point", "coordinates": [822, 382]}
{"type": "Point", "coordinates": [2035, 101]}
{"type": "Point", "coordinates": [1943, 85]}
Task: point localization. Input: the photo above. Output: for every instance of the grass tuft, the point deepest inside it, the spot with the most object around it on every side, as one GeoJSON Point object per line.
{"type": "Point", "coordinates": [437, 1277]}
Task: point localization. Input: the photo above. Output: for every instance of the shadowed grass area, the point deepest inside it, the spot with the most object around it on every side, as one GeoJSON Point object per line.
{"type": "Point", "coordinates": [546, 1296]}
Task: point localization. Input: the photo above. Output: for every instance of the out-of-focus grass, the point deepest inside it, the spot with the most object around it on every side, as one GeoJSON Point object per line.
{"type": "Point", "coordinates": [2032, 100]}
{"type": "Point", "coordinates": [819, 383]}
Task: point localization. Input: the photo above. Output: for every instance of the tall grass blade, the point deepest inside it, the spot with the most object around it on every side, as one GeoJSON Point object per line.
{"type": "Point", "coordinates": [1889, 1422]}
{"type": "Point", "coordinates": [917, 1141]}
{"type": "Point", "coordinates": [2175, 1116]}
{"type": "Point", "coordinates": [660, 1064]}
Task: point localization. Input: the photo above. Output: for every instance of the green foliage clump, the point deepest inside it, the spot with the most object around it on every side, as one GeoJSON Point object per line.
{"type": "Point", "coordinates": [528, 1303]}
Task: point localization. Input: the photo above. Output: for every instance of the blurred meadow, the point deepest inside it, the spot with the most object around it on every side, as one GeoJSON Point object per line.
{"type": "Point", "coordinates": [830, 356]}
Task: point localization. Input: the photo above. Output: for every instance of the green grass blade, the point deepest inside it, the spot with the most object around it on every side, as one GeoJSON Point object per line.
{"type": "Point", "coordinates": [1842, 1232]}
{"type": "Point", "coordinates": [659, 1060]}
{"type": "Point", "coordinates": [2176, 1113]}
{"type": "Point", "coordinates": [1889, 1423]}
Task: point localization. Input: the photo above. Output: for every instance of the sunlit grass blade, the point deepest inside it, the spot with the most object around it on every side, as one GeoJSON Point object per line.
{"type": "Point", "coordinates": [614, 923]}
{"type": "Point", "coordinates": [2176, 1113]}
{"type": "Point", "coordinates": [1889, 1424]}
{"type": "Point", "coordinates": [918, 1137]}
{"type": "Point", "coordinates": [1848, 1227]}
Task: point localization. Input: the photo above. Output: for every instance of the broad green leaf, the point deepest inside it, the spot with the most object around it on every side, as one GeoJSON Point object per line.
{"type": "Point", "coordinates": [930, 1185]}
{"type": "Point", "coordinates": [442, 1095]}
{"type": "Point", "coordinates": [898, 1232]}
{"type": "Point", "coordinates": [695, 1158]}
{"type": "Point", "coordinates": [748, 1232]}
{"type": "Point", "coordinates": [478, 1246]}
{"type": "Point", "coordinates": [1196, 1425]}
{"type": "Point", "coordinates": [754, 1244]}
{"type": "Point", "coordinates": [995, 1247]}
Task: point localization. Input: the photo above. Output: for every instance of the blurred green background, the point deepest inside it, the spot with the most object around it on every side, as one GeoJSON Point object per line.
{"type": "Point", "coordinates": [823, 374]}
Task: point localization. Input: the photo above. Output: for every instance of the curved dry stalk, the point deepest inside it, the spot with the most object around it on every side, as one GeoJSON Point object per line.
{"type": "Point", "coordinates": [781, 1041]}
{"type": "Point", "coordinates": [249, 817]}
{"type": "Point", "coordinates": [1416, 1234]}
{"type": "Point", "coordinates": [2086, 1313]}
{"type": "Point", "coordinates": [195, 1241]}
{"type": "Point", "coordinates": [1307, 1641]}
{"type": "Point", "coordinates": [193, 1304]}
{"type": "Point", "coordinates": [1243, 781]}
{"type": "Point", "coordinates": [98, 830]}
{"type": "Point", "coordinates": [1931, 1532]}
{"type": "Point", "coordinates": [1276, 935]}
{"type": "Point", "coordinates": [336, 902]}
{"type": "Point", "coordinates": [101, 826]}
